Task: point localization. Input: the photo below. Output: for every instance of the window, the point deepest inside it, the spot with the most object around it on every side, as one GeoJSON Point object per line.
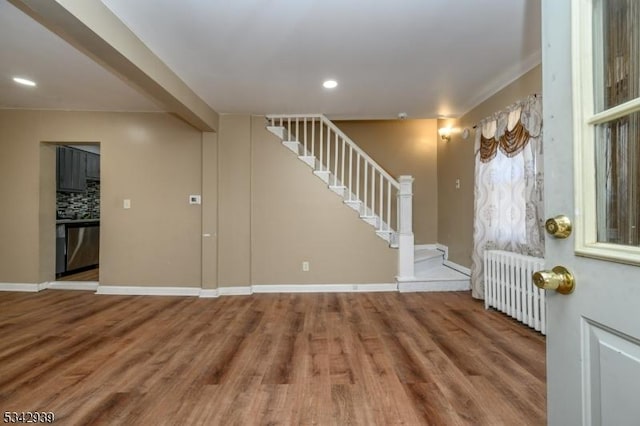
{"type": "Point", "coordinates": [606, 63]}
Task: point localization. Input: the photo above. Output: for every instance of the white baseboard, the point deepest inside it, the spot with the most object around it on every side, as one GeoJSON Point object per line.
{"type": "Point", "coordinates": [73, 285]}
{"type": "Point", "coordinates": [323, 288]}
{"type": "Point", "coordinates": [209, 293]}
{"type": "Point", "coordinates": [426, 246]}
{"type": "Point", "coordinates": [457, 267]}
{"type": "Point", "coordinates": [243, 290]}
{"type": "Point", "coordinates": [444, 249]}
{"type": "Point", "coordinates": [148, 291]}
{"type": "Point", "coordinates": [23, 287]}
{"type": "Point", "coordinates": [235, 291]}
{"type": "Point", "coordinates": [239, 290]}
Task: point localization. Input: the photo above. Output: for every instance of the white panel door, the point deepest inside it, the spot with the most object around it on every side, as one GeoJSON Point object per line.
{"type": "Point", "coordinates": [593, 334]}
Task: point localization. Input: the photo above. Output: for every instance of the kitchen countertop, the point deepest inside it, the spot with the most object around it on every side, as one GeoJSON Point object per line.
{"type": "Point", "coordinates": [63, 221]}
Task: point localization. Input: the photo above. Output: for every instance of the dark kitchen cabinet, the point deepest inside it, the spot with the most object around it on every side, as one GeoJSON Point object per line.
{"type": "Point", "coordinates": [71, 170]}
{"type": "Point", "coordinates": [93, 166]}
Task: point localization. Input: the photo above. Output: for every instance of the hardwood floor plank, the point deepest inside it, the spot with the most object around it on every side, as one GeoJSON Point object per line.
{"type": "Point", "coordinates": [432, 405]}
{"type": "Point", "coordinates": [351, 358]}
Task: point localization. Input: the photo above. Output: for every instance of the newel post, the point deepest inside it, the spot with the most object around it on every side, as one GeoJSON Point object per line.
{"type": "Point", "coordinates": [405, 228]}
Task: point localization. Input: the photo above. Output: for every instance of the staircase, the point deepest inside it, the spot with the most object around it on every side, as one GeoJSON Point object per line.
{"type": "Point", "coordinates": [347, 170]}
{"type": "Point", "coordinates": [380, 200]}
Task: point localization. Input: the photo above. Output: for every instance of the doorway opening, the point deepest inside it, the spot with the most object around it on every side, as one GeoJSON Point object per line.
{"type": "Point", "coordinates": [76, 218]}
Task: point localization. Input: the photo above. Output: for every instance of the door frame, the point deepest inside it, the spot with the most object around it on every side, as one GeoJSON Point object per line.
{"type": "Point", "coordinates": [47, 217]}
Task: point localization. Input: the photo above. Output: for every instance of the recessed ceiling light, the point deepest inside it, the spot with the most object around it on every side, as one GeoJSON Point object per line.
{"type": "Point", "coordinates": [24, 81]}
{"type": "Point", "coordinates": [330, 84]}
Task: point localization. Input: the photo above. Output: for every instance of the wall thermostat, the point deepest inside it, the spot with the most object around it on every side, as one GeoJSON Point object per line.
{"type": "Point", "coordinates": [195, 199]}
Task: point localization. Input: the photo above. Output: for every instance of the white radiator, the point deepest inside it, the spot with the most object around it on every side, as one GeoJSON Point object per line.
{"type": "Point", "coordinates": [508, 287]}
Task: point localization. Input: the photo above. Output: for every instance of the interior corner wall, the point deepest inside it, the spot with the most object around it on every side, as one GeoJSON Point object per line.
{"type": "Point", "coordinates": [234, 201]}
{"type": "Point", "coordinates": [209, 210]}
{"type": "Point", "coordinates": [153, 159]}
{"type": "Point", "coordinates": [456, 161]}
{"type": "Point", "coordinates": [296, 218]}
{"type": "Point", "coordinates": [405, 147]}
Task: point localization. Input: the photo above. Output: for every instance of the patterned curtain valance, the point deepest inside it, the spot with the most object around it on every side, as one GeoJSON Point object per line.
{"type": "Point", "coordinates": [510, 130]}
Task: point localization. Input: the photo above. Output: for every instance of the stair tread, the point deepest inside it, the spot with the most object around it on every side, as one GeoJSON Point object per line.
{"type": "Point", "coordinates": [426, 254]}
{"type": "Point", "coordinates": [440, 273]}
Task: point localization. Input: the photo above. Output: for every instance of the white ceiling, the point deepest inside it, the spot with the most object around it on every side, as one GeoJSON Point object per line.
{"type": "Point", "coordinates": [66, 78]}
{"type": "Point", "coordinates": [427, 58]}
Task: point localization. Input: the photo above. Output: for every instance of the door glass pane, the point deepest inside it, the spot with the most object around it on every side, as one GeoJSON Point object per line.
{"type": "Point", "coordinates": [616, 52]}
{"type": "Point", "coordinates": [618, 180]}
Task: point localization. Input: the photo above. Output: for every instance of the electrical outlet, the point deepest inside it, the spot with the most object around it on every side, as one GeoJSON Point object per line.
{"type": "Point", "coordinates": [305, 266]}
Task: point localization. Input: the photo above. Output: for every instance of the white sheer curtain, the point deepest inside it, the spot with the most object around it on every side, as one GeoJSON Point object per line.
{"type": "Point", "coordinates": [508, 212]}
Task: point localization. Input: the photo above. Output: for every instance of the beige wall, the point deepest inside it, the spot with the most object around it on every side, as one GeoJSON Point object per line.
{"type": "Point", "coordinates": [456, 161]}
{"type": "Point", "coordinates": [152, 159]}
{"type": "Point", "coordinates": [405, 147]}
{"type": "Point", "coordinates": [296, 218]}
{"type": "Point", "coordinates": [264, 210]}
{"type": "Point", "coordinates": [234, 168]}
{"type": "Point", "coordinates": [209, 210]}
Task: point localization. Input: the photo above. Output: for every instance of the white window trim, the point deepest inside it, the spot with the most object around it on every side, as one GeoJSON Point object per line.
{"type": "Point", "coordinates": [584, 121]}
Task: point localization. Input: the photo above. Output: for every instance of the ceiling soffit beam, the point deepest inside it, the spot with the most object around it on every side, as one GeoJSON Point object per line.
{"type": "Point", "coordinates": [91, 27]}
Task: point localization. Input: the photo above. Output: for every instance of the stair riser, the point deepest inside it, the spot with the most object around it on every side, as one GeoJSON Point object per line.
{"type": "Point", "coordinates": [324, 176]}
{"type": "Point", "coordinates": [279, 131]}
{"type": "Point", "coordinates": [355, 205]}
{"type": "Point", "coordinates": [309, 160]}
{"type": "Point", "coordinates": [373, 221]}
{"type": "Point", "coordinates": [340, 190]}
{"type": "Point", "coordinates": [293, 146]}
{"type": "Point", "coordinates": [424, 265]}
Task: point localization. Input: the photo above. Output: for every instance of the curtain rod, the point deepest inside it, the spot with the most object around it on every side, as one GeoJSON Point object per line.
{"type": "Point", "coordinates": [475, 126]}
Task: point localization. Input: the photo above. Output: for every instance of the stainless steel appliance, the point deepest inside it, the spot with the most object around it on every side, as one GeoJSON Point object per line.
{"type": "Point", "coordinates": [77, 245]}
{"type": "Point", "coordinates": [83, 246]}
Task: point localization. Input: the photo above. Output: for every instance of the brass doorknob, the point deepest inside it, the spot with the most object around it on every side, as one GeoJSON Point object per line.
{"type": "Point", "coordinates": [559, 226]}
{"type": "Point", "coordinates": [558, 279]}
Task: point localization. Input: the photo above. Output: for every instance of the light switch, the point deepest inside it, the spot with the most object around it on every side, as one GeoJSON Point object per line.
{"type": "Point", "coordinates": [457, 183]}
{"type": "Point", "coordinates": [126, 204]}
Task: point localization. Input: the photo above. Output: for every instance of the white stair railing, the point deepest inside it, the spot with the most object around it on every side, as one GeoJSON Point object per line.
{"type": "Point", "coordinates": [350, 172]}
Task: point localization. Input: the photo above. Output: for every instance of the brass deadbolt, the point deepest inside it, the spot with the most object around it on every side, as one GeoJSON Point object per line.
{"type": "Point", "coordinates": [559, 226]}
{"type": "Point", "coordinates": [558, 279]}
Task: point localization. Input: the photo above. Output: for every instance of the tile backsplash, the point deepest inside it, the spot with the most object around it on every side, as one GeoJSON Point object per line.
{"type": "Point", "coordinates": [80, 205]}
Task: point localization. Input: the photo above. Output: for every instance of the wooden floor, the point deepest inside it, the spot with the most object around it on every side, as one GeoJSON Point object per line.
{"type": "Point", "coordinates": [328, 359]}
{"type": "Point", "coordinates": [89, 275]}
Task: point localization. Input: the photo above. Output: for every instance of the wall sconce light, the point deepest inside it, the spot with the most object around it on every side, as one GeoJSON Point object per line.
{"type": "Point", "coordinates": [445, 133]}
